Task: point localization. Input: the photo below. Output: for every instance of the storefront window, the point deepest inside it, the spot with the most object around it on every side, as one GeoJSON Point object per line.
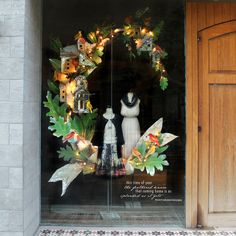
{"type": "Point", "coordinates": [132, 90]}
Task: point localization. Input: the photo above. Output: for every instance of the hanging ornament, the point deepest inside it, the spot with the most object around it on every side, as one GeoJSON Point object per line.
{"type": "Point", "coordinates": [81, 82]}
{"type": "Point", "coordinates": [80, 101]}
{"type": "Point", "coordinates": [82, 96]}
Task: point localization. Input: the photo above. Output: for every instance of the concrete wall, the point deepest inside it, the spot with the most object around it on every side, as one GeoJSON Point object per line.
{"type": "Point", "coordinates": [20, 89]}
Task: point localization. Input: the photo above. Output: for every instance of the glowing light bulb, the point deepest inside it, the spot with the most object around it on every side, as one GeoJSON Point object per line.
{"type": "Point", "coordinates": [68, 117]}
{"type": "Point", "coordinates": [143, 31]}
{"type": "Point", "coordinates": [116, 30]}
{"type": "Point", "coordinates": [151, 33]}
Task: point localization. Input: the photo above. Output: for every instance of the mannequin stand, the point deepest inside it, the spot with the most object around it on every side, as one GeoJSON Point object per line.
{"type": "Point", "coordinates": [133, 204]}
{"type": "Point", "coordinates": [108, 214]}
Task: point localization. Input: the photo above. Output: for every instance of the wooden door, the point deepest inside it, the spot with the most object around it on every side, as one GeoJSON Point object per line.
{"type": "Point", "coordinates": [217, 125]}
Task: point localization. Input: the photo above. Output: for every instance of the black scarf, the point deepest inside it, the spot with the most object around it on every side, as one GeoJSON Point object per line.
{"type": "Point", "coordinates": [126, 101]}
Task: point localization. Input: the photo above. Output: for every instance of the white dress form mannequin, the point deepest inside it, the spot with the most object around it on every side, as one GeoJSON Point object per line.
{"type": "Point", "coordinates": [110, 164]}
{"type": "Point", "coordinates": [110, 130]}
{"type": "Point", "coordinates": [130, 124]}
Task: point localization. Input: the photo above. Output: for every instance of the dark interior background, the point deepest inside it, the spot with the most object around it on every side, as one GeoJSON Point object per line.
{"type": "Point", "coordinates": [63, 19]}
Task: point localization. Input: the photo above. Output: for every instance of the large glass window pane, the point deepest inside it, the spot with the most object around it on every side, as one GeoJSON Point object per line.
{"type": "Point", "coordinates": [137, 199]}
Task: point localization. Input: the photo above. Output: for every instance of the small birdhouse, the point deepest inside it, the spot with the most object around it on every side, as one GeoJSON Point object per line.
{"type": "Point", "coordinates": [58, 76]}
{"type": "Point", "coordinates": [81, 44]}
{"type": "Point", "coordinates": [137, 33]}
{"type": "Point", "coordinates": [62, 92]}
{"type": "Point", "coordinates": [68, 65]}
{"type": "Point", "coordinates": [146, 45]}
{"type": "Point", "coordinates": [81, 82]}
{"type": "Point", "coordinates": [84, 60]}
{"type": "Point", "coordinates": [81, 99]}
{"type": "Point", "coordinates": [85, 47]}
{"type": "Point", "coordinates": [156, 56]}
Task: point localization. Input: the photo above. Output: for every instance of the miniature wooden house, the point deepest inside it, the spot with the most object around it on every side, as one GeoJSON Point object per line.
{"type": "Point", "coordinates": [146, 44]}
{"type": "Point", "coordinates": [81, 44]}
{"type": "Point", "coordinates": [80, 101]}
{"type": "Point", "coordinates": [67, 65]}
{"type": "Point", "coordinates": [84, 60]}
{"type": "Point", "coordinates": [81, 96]}
{"type": "Point", "coordinates": [62, 92]}
{"type": "Point", "coordinates": [62, 78]}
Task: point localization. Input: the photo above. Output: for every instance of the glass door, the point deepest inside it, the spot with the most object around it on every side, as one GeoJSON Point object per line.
{"type": "Point", "coordinates": [125, 89]}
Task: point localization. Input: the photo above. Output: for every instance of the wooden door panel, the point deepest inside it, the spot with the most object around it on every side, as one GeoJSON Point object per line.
{"type": "Point", "coordinates": [222, 148]}
{"type": "Point", "coordinates": [207, 16]}
{"type": "Point", "coordinates": [220, 48]}
{"type": "Point", "coordinates": [217, 116]}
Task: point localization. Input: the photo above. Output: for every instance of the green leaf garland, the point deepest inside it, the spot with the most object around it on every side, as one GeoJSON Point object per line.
{"type": "Point", "coordinates": [53, 87]}
{"type": "Point", "coordinates": [163, 82]}
{"type": "Point", "coordinates": [67, 153]}
{"type": "Point", "coordinates": [55, 109]}
{"type": "Point", "coordinates": [59, 127]}
{"type": "Point", "coordinates": [56, 64]}
{"type": "Point", "coordinates": [56, 45]}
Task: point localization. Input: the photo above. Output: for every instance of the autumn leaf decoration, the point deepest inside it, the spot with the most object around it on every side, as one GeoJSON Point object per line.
{"type": "Point", "coordinates": [149, 152]}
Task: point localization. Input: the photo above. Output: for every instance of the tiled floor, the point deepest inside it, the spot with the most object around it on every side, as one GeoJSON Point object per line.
{"type": "Point", "coordinates": [50, 231]}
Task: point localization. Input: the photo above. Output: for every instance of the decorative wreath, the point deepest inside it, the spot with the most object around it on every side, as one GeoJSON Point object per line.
{"type": "Point", "coordinates": [72, 116]}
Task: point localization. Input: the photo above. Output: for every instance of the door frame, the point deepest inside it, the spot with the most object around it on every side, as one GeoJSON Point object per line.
{"type": "Point", "coordinates": [199, 15]}
{"type": "Point", "coordinates": [191, 183]}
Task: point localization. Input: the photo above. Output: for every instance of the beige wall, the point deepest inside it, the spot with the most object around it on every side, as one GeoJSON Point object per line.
{"type": "Point", "coordinates": [20, 83]}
